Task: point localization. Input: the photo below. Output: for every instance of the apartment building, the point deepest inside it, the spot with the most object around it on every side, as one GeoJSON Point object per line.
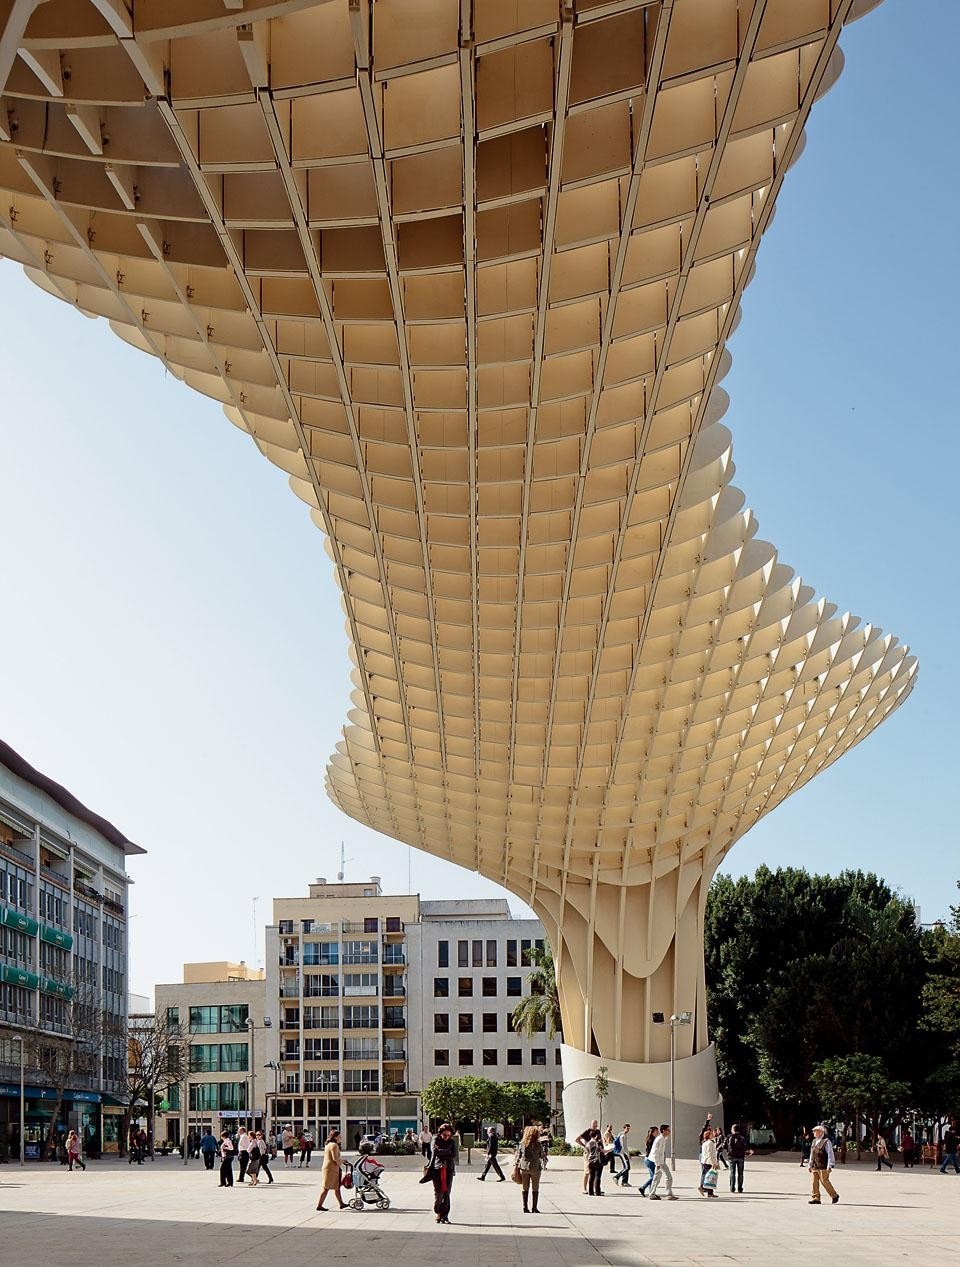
{"type": "Point", "coordinates": [221, 1008]}
{"type": "Point", "coordinates": [63, 956]}
{"type": "Point", "coordinates": [375, 995]}
{"type": "Point", "coordinates": [337, 969]}
{"type": "Point", "coordinates": [468, 970]}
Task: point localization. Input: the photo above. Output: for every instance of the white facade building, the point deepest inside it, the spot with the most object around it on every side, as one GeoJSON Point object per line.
{"type": "Point", "coordinates": [468, 971]}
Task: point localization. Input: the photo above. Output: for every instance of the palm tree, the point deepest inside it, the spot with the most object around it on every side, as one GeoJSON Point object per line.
{"type": "Point", "coordinates": [540, 1009]}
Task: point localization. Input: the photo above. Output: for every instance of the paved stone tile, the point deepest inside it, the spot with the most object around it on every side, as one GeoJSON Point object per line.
{"type": "Point", "coordinates": [164, 1213]}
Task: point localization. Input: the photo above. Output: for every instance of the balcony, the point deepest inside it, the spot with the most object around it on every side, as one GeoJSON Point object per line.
{"type": "Point", "coordinates": [394, 1054]}
{"type": "Point", "coordinates": [398, 1088]}
{"type": "Point", "coordinates": [289, 988]}
{"type": "Point", "coordinates": [393, 990]}
{"type": "Point", "coordinates": [360, 991]}
{"type": "Point", "coordinates": [55, 877]}
{"type": "Point", "coordinates": [394, 955]}
{"type": "Point", "coordinates": [18, 854]}
{"type": "Point", "coordinates": [361, 926]}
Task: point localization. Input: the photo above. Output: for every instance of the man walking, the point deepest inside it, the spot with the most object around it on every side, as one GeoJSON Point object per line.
{"type": "Point", "coordinates": [950, 1150]}
{"type": "Point", "coordinates": [822, 1162]}
{"type": "Point", "coordinates": [621, 1153]}
{"type": "Point", "coordinates": [493, 1143]}
{"type": "Point", "coordinates": [426, 1139]}
{"type": "Point", "coordinates": [208, 1151]}
{"type": "Point", "coordinates": [658, 1155]}
{"type": "Point", "coordinates": [738, 1150]}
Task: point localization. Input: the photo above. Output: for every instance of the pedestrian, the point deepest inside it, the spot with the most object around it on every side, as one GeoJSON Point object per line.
{"type": "Point", "coordinates": [907, 1147]}
{"type": "Point", "coordinates": [621, 1153]}
{"type": "Point", "coordinates": [426, 1139]}
{"type": "Point", "coordinates": [883, 1153]}
{"type": "Point", "coordinates": [583, 1139]}
{"type": "Point", "coordinates": [596, 1160]}
{"type": "Point", "coordinates": [287, 1141]}
{"type": "Point", "coordinates": [652, 1134]}
{"type": "Point", "coordinates": [443, 1167]}
{"type": "Point", "coordinates": [226, 1160]}
{"type": "Point", "coordinates": [709, 1169]}
{"type": "Point", "coordinates": [73, 1152]}
{"type": "Point", "coordinates": [608, 1139]}
{"type": "Point", "coordinates": [260, 1148]}
{"type": "Point", "coordinates": [208, 1149]}
{"type": "Point", "coordinates": [822, 1162]}
{"type": "Point", "coordinates": [806, 1141]}
{"type": "Point", "coordinates": [493, 1143]}
{"type": "Point", "coordinates": [950, 1150]}
{"type": "Point", "coordinates": [243, 1153]}
{"type": "Point", "coordinates": [721, 1145]}
{"type": "Point", "coordinates": [545, 1142]}
{"type": "Point", "coordinates": [331, 1171]}
{"type": "Point", "coordinates": [738, 1150]}
{"type": "Point", "coordinates": [306, 1145]}
{"type": "Point", "coordinates": [530, 1161]}
{"type": "Point", "coordinates": [658, 1155]}
{"type": "Point", "coordinates": [143, 1146]}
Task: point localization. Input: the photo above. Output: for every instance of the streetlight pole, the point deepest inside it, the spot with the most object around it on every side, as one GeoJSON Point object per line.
{"type": "Point", "coordinates": [678, 1018]}
{"type": "Point", "coordinates": [18, 1038]}
{"type": "Point", "coordinates": [252, 1027]}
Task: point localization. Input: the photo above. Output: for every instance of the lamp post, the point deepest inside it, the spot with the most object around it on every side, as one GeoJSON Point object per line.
{"type": "Point", "coordinates": [272, 1064]}
{"type": "Point", "coordinates": [678, 1018]}
{"type": "Point", "coordinates": [253, 1027]}
{"type": "Point", "coordinates": [18, 1038]}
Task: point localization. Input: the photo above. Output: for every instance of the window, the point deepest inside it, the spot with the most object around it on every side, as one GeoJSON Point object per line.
{"type": "Point", "coordinates": [393, 924]}
{"type": "Point", "coordinates": [509, 1022]}
{"type": "Point", "coordinates": [371, 924]}
{"type": "Point", "coordinates": [321, 1080]}
{"type": "Point", "coordinates": [465, 1023]}
{"type": "Point", "coordinates": [441, 987]}
{"type": "Point", "coordinates": [539, 1055]}
{"type": "Point", "coordinates": [478, 954]}
{"type": "Point", "coordinates": [360, 952]}
{"type": "Point", "coordinates": [443, 954]}
{"type": "Point", "coordinates": [394, 1018]}
{"type": "Point", "coordinates": [441, 1056]}
{"type": "Point", "coordinates": [173, 1017]}
{"type": "Point", "coordinates": [463, 954]}
{"type": "Point", "coordinates": [441, 1023]}
{"type": "Point", "coordinates": [514, 987]}
{"type": "Point", "coordinates": [320, 953]}
{"type": "Point", "coordinates": [361, 1080]}
{"type": "Point", "coordinates": [233, 1057]}
{"type": "Point", "coordinates": [489, 1022]}
{"type": "Point", "coordinates": [514, 1056]}
{"type": "Point", "coordinates": [539, 944]}
{"type": "Point", "coordinates": [285, 926]}
{"type": "Point", "coordinates": [355, 983]}
{"type": "Point", "coordinates": [466, 1056]}
{"type": "Point", "coordinates": [361, 1049]}
{"type": "Point", "coordinates": [489, 987]}
{"type": "Point", "coordinates": [525, 945]}
{"type": "Point", "coordinates": [511, 953]}
{"type": "Point", "coordinates": [556, 1054]}
{"type": "Point", "coordinates": [361, 1017]}
{"type": "Point", "coordinates": [465, 987]}
{"type": "Point", "coordinates": [204, 1020]}
{"type": "Point", "coordinates": [233, 1018]}
{"type": "Point", "coordinates": [321, 1049]}
{"type": "Point", "coordinates": [491, 954]}
{"type": "Point", "coordinates": [489, 1055]}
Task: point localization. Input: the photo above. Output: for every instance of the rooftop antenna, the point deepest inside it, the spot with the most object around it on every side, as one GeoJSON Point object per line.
{"type": "Point", "coordinates": [342, 863]}
{"type": "Point", "coordinates": [256, 957]}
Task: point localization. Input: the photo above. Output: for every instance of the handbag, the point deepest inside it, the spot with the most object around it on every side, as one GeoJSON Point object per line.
{"type": "Point", "coordinates": [427, 1176]}
{"type": "Point", "coordinates": [516, 1174]}
{"type": "Point", "coordinates": [710, 1179]}
{"type": "Point", "coordinates": [347, 1181]}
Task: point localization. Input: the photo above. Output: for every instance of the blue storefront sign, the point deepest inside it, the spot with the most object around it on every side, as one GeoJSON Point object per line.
{"type": "Point", "coordinates": [47, 1093]}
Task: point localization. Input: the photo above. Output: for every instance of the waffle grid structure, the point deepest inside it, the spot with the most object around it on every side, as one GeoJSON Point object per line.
{"type": "Point", "coordinates": [465, 270]}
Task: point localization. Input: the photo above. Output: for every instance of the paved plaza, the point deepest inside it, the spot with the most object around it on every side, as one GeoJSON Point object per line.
{"type": "Point", "coordinates": [116, 1215]}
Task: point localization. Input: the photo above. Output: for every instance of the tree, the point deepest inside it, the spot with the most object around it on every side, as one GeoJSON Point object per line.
{"type": "Point", "coordinates": [62, 1060]}
{"type": "Point", "coordinates": [540, 1009]}
{"type": "Point", "coordinates": [459, 1100]}
{"type": "Point", "coordinates": [602, 1088]}
{"type": "Point", "coordinates": [157, 1052]}
{"type": "Point", "coordinates": [518, 1103]}
{"type": "Point", "coordinates": [858, 1088]}
{"type": "Point", "coordinates": [794, 963]}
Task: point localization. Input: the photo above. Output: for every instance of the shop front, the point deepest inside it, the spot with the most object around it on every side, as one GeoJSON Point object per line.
{"type": "Point", "coordinates": [80, 1111]}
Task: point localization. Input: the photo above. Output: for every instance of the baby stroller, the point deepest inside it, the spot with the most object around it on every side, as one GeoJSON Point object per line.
{"type": "Point", "coordinates": [366, 1185]}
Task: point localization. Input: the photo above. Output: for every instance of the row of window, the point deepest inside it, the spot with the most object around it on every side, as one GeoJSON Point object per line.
{"type": "Point", "coordinates": [488, 987]}
{"type": "Point", "coordinates": [16, 886]}
{"type": "Point", "coordinates": [218, 1058]}
{"type": "Point", "coordinates": [226, 1018]}
{"type": "Point", "coordinates": [488, 1022]}
{"type": "Point", "coordinates": [477, 953]}
{"type": "Point", "coordinates": [371, 924]}
{"type": "Point", "coordinates": [490, 1056]}
{"type": "Point", "coordinates": [53, 908]}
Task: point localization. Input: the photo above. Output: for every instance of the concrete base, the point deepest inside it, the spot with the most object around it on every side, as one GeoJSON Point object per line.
{"type": "Point", "coordinates": [640, 1094]}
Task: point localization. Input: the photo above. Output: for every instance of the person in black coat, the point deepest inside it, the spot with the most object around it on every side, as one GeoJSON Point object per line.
{"type": "Point", "coordinates": [443, 1167]}
{"type": "Point", "coordinates": [493, 1143]}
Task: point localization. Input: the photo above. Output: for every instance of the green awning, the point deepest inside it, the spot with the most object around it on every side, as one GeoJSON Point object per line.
{"type": "Point", "coordinates": [19, 976]}
{"type": "Point", "coordinates": [58, 988]}
{"type": "Point", "coordinates": [55, 937]}
{"type": "Point", "coordinates": [16, 919]}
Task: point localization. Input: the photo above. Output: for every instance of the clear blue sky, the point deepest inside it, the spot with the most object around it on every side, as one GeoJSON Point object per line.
{"type": "Point", "coordinates": [173, 649]}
